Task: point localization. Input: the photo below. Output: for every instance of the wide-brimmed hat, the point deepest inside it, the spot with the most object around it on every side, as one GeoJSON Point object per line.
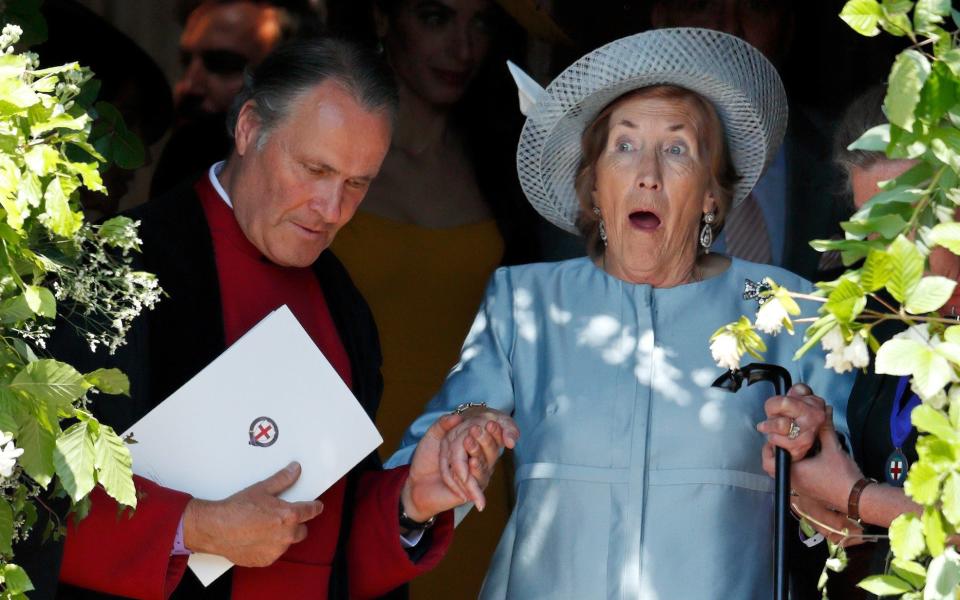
{"type": "Point", "coordinates": [735, 77]}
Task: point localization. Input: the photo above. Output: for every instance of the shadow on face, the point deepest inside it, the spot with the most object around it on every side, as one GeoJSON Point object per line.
{"type": "Point", "coordinates": [218, 42]}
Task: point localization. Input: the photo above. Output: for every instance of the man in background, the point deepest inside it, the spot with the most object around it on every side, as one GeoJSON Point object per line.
{"type": "Point", "coordinates": [220, 39]}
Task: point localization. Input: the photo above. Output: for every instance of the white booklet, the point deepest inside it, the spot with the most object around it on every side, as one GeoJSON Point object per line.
{"type": "Point", "coordinates": [269, 399]}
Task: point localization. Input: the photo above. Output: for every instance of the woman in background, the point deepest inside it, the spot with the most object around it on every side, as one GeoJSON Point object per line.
{"type": "Point", "coordinates": [443, 213]}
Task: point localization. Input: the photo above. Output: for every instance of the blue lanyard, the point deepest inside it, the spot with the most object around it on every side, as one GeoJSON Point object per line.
{"type": "Point", "coordinates": [900, 425]}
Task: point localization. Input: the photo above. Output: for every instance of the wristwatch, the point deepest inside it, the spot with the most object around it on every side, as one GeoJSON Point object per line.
{"type": "Point", "coordinates": [409, 524]}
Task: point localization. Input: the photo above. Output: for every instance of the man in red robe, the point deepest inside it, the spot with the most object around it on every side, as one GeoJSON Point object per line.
{"type": "Point", "coordinates": [311, 128]}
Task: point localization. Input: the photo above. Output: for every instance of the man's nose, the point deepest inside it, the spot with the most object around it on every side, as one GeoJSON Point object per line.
{"type": "Point", "coordinates": [327, 201]}
{"type": "Point", "coordinates": [193, 81]}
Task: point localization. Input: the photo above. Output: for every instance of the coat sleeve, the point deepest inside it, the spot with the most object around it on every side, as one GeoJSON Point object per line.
{"type": "Point", "coordinates": [377, 561]}
{"type": "Point", "coordinates": [484, 372]}
{"type": "Point", "coordinates": [127, 554]}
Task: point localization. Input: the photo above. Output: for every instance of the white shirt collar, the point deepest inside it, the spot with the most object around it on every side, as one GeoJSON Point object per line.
{"type": "Point", "coordinates": [213, 173]}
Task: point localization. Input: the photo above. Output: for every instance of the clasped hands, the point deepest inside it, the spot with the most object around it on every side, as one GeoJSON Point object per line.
{"type": "Point", "coordinates": [451, 465]}
{"type": "Point", "coordinates": [820, 483]}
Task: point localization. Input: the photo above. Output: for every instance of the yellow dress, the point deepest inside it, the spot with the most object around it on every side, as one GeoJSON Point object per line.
{"type": "Point", "coordinates": [424, 286]}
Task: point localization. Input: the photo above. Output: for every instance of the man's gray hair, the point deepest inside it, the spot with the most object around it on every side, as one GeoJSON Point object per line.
{"type": "Point", "coordinates": [864, 113]}
{"type": "Point", "coordinates": [296, 67]}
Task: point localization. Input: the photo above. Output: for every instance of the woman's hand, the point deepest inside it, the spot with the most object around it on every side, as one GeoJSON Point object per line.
{"type": "Point", "coordinates": [469, 451]}
{"type": "Point", "coordinates": [799, 410]}
{"type": "Point", "coordinates": [827, 477]}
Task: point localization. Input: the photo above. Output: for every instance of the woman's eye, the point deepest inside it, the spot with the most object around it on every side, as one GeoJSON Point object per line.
{"type": "Point", "coordinates": [483, 24]}
{"type": "Point", "coordinates": [676, 150]}
{"type": "Point", "coordinates": [432, 18]}
{"type": "Point", "coordinates": [624, 147]}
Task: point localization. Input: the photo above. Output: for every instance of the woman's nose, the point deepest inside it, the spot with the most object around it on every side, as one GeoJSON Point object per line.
{"type": "Point", "coordinates": [648, 173]}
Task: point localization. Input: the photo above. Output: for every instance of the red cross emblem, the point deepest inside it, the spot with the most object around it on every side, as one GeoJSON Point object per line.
{"type": "Point", "coordinates": [263, 432]}
{"type": "Point", "coordinates": [896, 469]}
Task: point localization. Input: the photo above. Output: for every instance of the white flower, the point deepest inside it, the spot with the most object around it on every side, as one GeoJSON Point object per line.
{"type": "Point", "coordinates": [833, 341]}
{"type": "Point", "coordinates": [856, 353]}
{"type": "Point", "coordinates": [725, 351]}
{"type": "Point", "coordinates": [771, 316]}
{"type": "Point", "coordinates": [836, 361]}
{"type": "Point", "coordinates": [8, 456]}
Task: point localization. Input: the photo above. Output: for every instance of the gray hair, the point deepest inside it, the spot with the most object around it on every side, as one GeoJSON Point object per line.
{"type": "Point", "coordinates": [864, 113]}
{"type": "Point", "coordinates": [296, 67]}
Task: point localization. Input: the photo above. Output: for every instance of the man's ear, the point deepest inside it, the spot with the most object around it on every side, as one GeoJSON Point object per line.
{"type": "Point", "coordinates": [248, 127]}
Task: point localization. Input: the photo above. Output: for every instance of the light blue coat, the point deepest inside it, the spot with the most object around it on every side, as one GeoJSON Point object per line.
{"type": "Point", "coordinates": [634, 478]}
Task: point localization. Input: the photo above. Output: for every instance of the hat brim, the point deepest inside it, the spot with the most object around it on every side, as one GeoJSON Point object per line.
{"type": "Point", "coordinates": [741, 84]}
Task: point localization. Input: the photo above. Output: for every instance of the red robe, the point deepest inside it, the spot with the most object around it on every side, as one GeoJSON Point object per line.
{"type": "Point", "coordinates": [131, 556]}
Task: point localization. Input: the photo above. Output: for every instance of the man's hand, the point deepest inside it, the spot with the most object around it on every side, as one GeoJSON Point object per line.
{"type": "Point", "coordinates": [430, 489]}
{"type": "Point", "coordinates": [469, 451]}
{"type": "Point", "coordinates": [819, 514]}
{"type": "Point", "coordinates": [253, 527]}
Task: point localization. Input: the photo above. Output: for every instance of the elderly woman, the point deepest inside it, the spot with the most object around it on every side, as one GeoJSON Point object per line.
{"type": "Point", "coordinates": [634, 477]}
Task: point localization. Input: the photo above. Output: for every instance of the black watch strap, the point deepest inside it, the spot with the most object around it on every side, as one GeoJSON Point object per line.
{"type": "Point", "coordinates": [409, 524]}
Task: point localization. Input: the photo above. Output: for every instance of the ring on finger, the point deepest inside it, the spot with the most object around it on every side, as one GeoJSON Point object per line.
{"type": "Point", "coordinates": [794, 432]}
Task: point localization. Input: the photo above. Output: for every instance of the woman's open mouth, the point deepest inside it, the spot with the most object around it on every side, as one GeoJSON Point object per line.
{"type": "Point", "coordinates": [645, 220]}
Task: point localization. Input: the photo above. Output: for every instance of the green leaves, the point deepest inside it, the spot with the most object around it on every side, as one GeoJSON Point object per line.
{"type": "Point", "coordinates": [110, 381]}
{"type": "Point", "coordinates": [906, 264]}
{"type": "Point", "coordinates": [930, 368]}
{"type": "Point", "coordinates": [947, 235]}
{"type": "Point", "coordinates": [875, 139]}
{"type": "Point", "coordinates": [89, 453]}
{"type": "Point", "coordinates": [929, 294]}
{"type": "Point", "coordinates": [906, 536]}
{"type": "Point", "coordinates": [115, 141]}
{"type": "Point", "coordinates": [50, 381]}
{"type": "Point", "coordinates": [74, 460]}
{"type": "Point", "coordinates": [863, 16]}
{"type": "Point", "coordinates": [929, 13]}
{"type": "Point", "coordinates": [58, 215]}
{"type": "Point", "coordinates": [943, 576]}
{"type": "Point", "coordinates": [847, 301]}
{"type": "Point", "coordinates": [885, 585]}
{"type": "Point", "coordinates": [16, 580]}
{"type": "Point", "coordinates": [114, 470]}
{"type": "Point", "coordinates": [951, 499]}
{"type": "Point", "coordinates": [889, 226]}
{"type": "Point", "coordinates": [876, 271]}
{"type": "Point", "coordinates": [38, 444]}
{"type": "Point", "coordinates": [6, 528]}
{"type": "Point", "coordinates": [910, 71]}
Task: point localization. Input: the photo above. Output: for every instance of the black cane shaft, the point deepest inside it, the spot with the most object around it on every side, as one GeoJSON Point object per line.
{"type": "Point", "coordinates": [781, 510]}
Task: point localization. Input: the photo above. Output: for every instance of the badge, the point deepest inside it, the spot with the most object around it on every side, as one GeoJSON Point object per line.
{"type": "Point", "coordinates": [263, 432]}
{"type": "Point", "coordinates": [897, 466]}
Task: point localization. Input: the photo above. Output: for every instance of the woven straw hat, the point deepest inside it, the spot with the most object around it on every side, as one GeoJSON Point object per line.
{"type": "Point", "coordinates": [735, 77]}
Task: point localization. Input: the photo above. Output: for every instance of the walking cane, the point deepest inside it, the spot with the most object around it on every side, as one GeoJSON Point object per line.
{"type": "Point", "coordinates": [781, 380]}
